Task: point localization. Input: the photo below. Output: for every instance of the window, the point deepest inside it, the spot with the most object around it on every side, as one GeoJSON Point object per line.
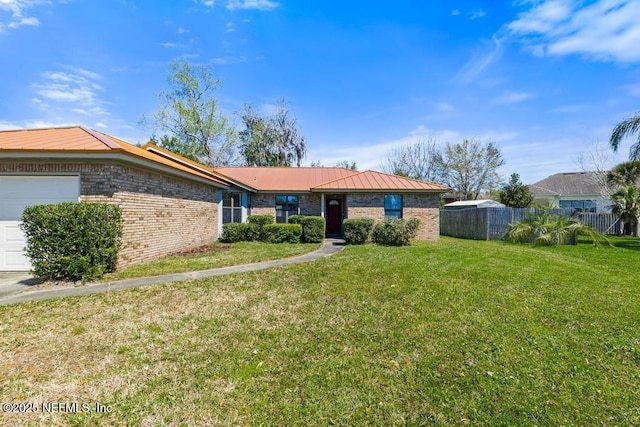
{"type": "Point", "coordinates": [286, 206]}
{"type": "Point", "coordinates": [579, 205]}
{"type": "Point", "coordinates": [392, 206]}
{"type": "Point", "coordinates": [231, 207]}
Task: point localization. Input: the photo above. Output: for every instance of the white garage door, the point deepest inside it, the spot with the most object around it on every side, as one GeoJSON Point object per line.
{"type": "Point", "coordinates": [18, 192]}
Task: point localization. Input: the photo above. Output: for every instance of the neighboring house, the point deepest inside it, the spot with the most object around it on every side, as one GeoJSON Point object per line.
{"type": "Point", "coordinates": [577, 190]}
{"type": "Point", "coordinates": [171, 203]}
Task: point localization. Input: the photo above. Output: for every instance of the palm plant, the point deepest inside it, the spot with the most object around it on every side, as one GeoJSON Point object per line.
{"type": "Point", "coordinates": [626, 205]}
{"type": "Point", "coordinates": [626, 173]}
{"type": "Point", "coordinates": [623, 129]}
{"type": "Point", "coordinates": [547, 229]}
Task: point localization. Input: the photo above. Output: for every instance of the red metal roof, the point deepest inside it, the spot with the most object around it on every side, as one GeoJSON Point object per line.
{"type": "Point", "coordinates": [291, 179]}
{"type": "Point", "coordinates": [288, 179]}
{"type": "Point", "coordinates": [372, 180]}
{"type": "Point", "coordinates": [53, 139]}
{"type": "Point", "coordinates": [82, 140]}
{"type": "Point", "coordinates": [283, 178]}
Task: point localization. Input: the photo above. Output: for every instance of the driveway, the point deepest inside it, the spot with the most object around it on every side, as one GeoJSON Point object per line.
{"type": "Point", "coordinates": [14, 283]}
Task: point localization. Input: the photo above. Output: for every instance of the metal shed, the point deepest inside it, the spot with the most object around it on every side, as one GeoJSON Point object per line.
{"type": "Point", "coordinates": [471, 204]}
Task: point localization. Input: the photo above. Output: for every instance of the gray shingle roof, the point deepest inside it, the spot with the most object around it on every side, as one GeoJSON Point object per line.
{"type": "Point", "coordinates": [567, 183]}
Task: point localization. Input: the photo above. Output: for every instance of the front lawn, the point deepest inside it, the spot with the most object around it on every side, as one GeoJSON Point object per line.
{"type": "Point", "coordinates": [449, 333]}
{"type": "Point", "coordinates": [215, 256]}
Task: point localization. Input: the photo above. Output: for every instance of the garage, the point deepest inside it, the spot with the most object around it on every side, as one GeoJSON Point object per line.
{"type": "Point", "coordinates": [18, 192]}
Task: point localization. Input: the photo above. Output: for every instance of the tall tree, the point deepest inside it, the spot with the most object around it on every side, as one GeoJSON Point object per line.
{"type": "Point", "coordinates": [471, 168]}
{"type": "Point", "coordinates": [515, 194]}
{"type": "Point", "coordinates": [596, 161]}
{"type": "Point", "coordinates": [273, 140]}
{"type": "Point", "coordinates": [626, 128]}
{"type": "Point", "coordinates": [189, 117]}
{"type": "Point", "coordinates": [420, 160]}
{"type": "Point", "coordinates": [347, 165]}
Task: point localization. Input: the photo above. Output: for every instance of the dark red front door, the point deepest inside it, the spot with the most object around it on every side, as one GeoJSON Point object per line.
{"type": "Point", "coordinates": [334, 216]}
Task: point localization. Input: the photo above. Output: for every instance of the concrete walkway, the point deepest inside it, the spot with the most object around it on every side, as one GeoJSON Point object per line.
{"type": "Point", "coordinates": [21, 287]}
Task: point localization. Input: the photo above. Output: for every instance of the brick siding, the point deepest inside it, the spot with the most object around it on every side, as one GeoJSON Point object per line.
{"type": "Point", "coordinates": [265, 204]}
{"type": "Point", "coordinates": [162, 214]}
{"type": "Point", "coordinates": [423, 206]}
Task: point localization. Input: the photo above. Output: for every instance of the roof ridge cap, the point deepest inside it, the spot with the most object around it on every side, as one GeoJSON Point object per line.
{"type": "Point", "coordinates": [337, 179]}
{"type": "Point", "coordinates": [405, 177]}
{"type": "Point", "coordinates": [102, 138]}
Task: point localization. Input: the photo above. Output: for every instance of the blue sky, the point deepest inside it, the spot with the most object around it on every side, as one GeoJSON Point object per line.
{"type": "Point", "coordinates": [544, 79]}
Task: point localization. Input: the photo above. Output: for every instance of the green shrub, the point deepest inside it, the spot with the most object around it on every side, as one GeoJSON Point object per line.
{"type": "Point", "coordinates": [260, 221]}
{"type": "Point", "coordinates": [76, 241]}
{"type": "Point", "coordinates": [357, 230]}
{"type": "Point", "coordinates": [239, 232]}
{"type": "Point", "coordinates": [282, 233]}
{"type": "Point", "coordinates": [411, 228]}
{"type": "Point", "coordinates": [548, 229]}
{"type": "Point", "coordinates": [395, 232]}
{"type": "Point", "coordinates": [312, 227]}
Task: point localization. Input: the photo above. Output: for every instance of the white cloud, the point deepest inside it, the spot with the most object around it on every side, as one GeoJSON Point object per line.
{"type": "Point", "coordinates": [372, 156]}
{"type": "Point", "coordinates": [17, 10]}
{"type": "Point", "coordinates": [78, 89]}
{"type": "Point", "coordinates": [480, 59]}
{"type": "Point", "coordinates": [602, 30]}
{"type": "Point", "coordinates": [443, 106]}
{"type": "Point", "coordinates": [29, 22]}
{"type": "Point", "coordinates": [252, 4]}
{"type": "Point", "coordinates": [171, 45]}
{"type": "Point", "coordinates": [44, 124]}
{"type": "Point", "coordinates": [476, 13]}
{"type": "Point", "coordinates": [101, 125]}
{"type": "Point", "coordinates": [513, 97]}
{"type": "Point", "coordinates": [226, 60]}
{"type": "Point", "coordinates": [571, 108]}
{"type": "Point", "coordinates": [230, 27]}
{"type": "Point", "coordinates": [455, 12]}
{"type": "Point", "coordinates": [9, 126]}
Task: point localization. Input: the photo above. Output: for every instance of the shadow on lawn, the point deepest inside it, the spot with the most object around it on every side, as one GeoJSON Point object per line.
{"type": "Point", "coordinates": [632, 243]}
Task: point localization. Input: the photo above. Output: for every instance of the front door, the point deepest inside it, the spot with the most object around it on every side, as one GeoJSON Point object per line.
{"type": "Point", "coordinates": [334, 215]}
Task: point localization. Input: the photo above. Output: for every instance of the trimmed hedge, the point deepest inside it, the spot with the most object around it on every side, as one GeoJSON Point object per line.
{"type": "Point", "coordinates": [76, 241]}
{"type": "Point", "coordinates": [395, 232]}
{"type": "Point", "coordinates": [260, 221]}
{"type": "Point", "coordinates": [282, 233]}
{"type": "Point", "coordinates": [357, 230]}
{"type": "Point", "coordinates": [239, 232]}
{"type": "Point", "coordinates": [312, 227]}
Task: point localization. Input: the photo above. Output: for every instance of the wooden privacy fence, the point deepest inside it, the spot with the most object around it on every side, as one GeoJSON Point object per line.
{"type": "Point", "coordinates": [493, 223]}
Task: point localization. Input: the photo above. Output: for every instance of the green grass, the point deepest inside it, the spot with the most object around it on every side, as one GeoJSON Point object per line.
{"type": "Point", "coordinates": [448, 333]}
{"type": "Point", "coordinates": [220, 255]}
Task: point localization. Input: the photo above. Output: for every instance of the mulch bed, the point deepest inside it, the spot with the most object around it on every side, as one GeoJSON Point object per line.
{"type": "Point", "coordinates": [203, 249]}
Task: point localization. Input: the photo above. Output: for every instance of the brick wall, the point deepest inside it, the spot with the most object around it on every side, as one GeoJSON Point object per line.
{"type": "Point", "coordinates": [265, 204]}
{"type": "Point", "coordinates": [426, 208]}
{"type": "Point", "coordinates": [162, 214]}
{"type": "Point", "coordinates": [414, 205]}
